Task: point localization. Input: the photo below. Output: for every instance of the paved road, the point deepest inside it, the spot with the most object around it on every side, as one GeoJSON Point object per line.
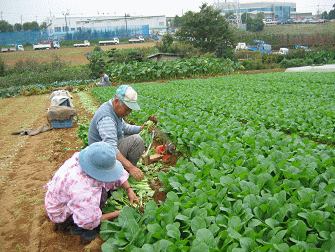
{"type": "Point", "coordinates": [324, 68]}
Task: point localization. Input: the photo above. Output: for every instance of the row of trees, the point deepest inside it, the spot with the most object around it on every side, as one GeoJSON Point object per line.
{"type": "Point", "coordinates": [27, 26]}
{"type": "Point", "coordinates": [330, 15]}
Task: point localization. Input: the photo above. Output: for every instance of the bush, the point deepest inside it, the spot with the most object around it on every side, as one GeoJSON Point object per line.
{"type": "Point", "coordinates": [296, 54]}
{"type": "Point", "coordinates": [322, 57]}
{"type": "Point", "coordinates": [226, 52]}
{"type": "Point", "coordinates": [97, 49]}
{"type": "Point", "coordinates": [2, 68]}
{"type": "Point", "coordinates": [252, 65]}
{"type": "Point", "coordinates": [327, 48]}
{"type": "Point", "coordinates": [31, 65]}
{"type": "Point", "coordinates": [99, 60]}
{"type": "Point", "coordinates": [285, 63]}
{"type": "Point", "coordinates": [272, 58]}
{"type": "Point", "coordinates": [30, 78]}
{"type": "Point", "coordinates": [27, 90]}
{"type": "Point", "coordinates": [184, 50]}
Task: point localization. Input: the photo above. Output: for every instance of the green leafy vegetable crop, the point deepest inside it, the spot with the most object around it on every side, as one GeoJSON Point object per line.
{"type": "Point", "coordinates": [259, 169]}
{"type": "Point", "coordinates": [146, 135]}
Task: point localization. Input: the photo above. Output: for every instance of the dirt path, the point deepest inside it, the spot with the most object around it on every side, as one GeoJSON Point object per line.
{"type": "Point", "coordinates": [27, 163]}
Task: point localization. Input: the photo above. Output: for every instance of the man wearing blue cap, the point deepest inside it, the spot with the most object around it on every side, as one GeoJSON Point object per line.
{"type": "Point", "coordinates": [107, 125]}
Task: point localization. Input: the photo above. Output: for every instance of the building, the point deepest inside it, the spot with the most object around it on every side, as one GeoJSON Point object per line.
{"type": "Point", "coordinates": [133, 25]}
{"type": "Point", "coordinates": [280, 10]}
{"type": "Point", "coordinates": [163, 57]}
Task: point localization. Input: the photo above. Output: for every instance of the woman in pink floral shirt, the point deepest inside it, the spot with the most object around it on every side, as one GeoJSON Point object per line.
{"type": "Point", "coordinates": [78, 190]}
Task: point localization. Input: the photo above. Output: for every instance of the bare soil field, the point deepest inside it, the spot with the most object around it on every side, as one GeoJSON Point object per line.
{"type": "Point", "coordinates": [73, 55]}
{"type": "Point", "coordinates": [27, 163]}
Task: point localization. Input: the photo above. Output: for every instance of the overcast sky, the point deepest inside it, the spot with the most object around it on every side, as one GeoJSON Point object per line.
{"type": "Point", "coordinates": [39, 10]}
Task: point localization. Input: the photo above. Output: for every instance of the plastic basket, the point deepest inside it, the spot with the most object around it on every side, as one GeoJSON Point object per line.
{"type": "Point", "coordinates": [61, 124]}
{"type": "Point", "coordinates": [65, 103]}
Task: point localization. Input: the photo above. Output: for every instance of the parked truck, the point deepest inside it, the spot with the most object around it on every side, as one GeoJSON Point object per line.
{"type": "Point", "coordinates": [113, 41]}
{"type": "Point", "coordinates": [261, 46]}
{"type": "Point", "coordinates": [241, 46]}
{"type": "Point", "coordinates": [86, 43]}
{"type": "Point", "coordinates": [140, 39]}
{"type": "Point", "coordinates": [46, 44]}
{"type": "Point", "coordinates": [282, 50]}
{"type": "Point", "coordinates": [302, 47]}
{"type": "Point", "coordinates": [12, 48]}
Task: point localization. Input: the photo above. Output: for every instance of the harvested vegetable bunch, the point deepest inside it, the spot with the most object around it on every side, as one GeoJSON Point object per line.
{"type": "Point", "coordinates": [119, 198]}
{"type": "Point", "coordinates": [146, 135]}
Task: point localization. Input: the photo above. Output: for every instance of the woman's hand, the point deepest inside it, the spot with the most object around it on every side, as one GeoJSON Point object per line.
{"type": "Point", "coordinates": [110, 216]}
{"type": "Point", "coordinates": [132, 197]}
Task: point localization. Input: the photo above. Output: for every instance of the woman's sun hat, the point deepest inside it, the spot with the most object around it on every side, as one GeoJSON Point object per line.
{"type": "Point", "coordinates": [99, 161]}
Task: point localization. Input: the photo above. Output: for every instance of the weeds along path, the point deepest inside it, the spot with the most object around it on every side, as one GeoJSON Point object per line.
{"type": "Point", "coordinates": [26, 164]}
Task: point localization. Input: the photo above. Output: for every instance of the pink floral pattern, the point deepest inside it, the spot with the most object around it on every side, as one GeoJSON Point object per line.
{"type": "Point", "coordinates": [72, 191]}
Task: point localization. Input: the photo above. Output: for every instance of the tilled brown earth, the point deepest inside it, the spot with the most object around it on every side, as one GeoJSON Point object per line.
{"type": "Point", "coordinates": [27, 163]}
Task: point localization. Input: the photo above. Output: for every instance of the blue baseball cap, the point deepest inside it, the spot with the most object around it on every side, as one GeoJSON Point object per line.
{"type": "Point", "coordinates": [128, 95]}
{"type": "Point", "coordinates": [99, 161]}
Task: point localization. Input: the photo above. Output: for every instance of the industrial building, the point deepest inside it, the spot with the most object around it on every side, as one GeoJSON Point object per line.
{"type": "Point", "coordinates": [73, 24]}
{"type": "Point", "coordinates": [271, 10]}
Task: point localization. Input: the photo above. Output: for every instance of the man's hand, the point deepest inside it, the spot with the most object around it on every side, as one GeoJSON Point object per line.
{"type": "Point", "coordinates": [133, 170]}
{"type": "Point", "coordinates": [137, 173]}
{"type": "Point", "coordinates": [143, 126]}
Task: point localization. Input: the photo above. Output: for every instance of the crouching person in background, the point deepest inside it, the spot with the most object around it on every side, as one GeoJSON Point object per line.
{"type": "Point", "coordinates": [78, 190]}
{"type": "Point", "coordinates": [104, 80]}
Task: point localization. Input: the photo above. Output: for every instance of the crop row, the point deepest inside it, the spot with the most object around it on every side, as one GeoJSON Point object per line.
{"type": "Point", "coordinates": [300, 103]}
{"type": "Point", "coordinates": [244, 187]}
{"type": "Point", "coordinates": [176, 69]}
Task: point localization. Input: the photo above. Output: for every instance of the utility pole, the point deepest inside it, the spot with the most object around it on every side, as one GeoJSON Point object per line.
{"type": "Point", "coordinates": [21, 20]}
{"type": "Point", "coordinates": [65, 23]}
{"type": "Point", "coordinates": [125, 18]}
{"type": "Point", "coordinates": [66, 13]}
